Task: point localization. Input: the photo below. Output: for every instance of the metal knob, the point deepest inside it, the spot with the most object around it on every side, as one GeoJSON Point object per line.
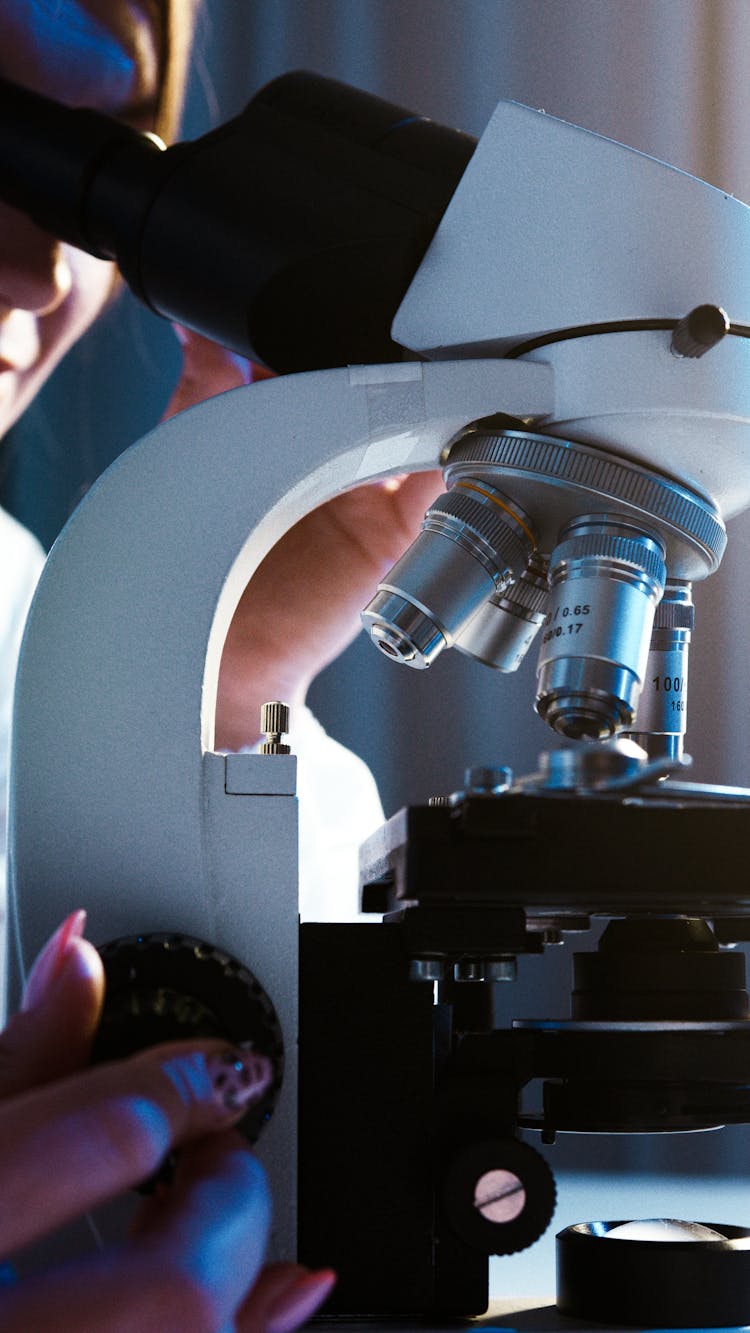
{"type": "Point", "coordinates": [699, 331]}
{"type": "Point", "coordinates": [274, 723]}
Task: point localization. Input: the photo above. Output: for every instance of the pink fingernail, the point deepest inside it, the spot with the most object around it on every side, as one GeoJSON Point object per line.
{"type": "Point", "coordinates": [300, 1301]}
{"type": "Point", "coordinates": [48, 964]}
{"type": "Point", "coordinates": [239, 1078]}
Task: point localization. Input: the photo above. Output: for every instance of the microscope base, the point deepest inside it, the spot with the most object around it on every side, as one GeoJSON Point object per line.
{"type": "Point", "coordinates": [521, 1316]}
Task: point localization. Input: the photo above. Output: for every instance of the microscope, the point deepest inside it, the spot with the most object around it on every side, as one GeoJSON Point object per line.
{"type": "Point", "coordinates": [562, 325]}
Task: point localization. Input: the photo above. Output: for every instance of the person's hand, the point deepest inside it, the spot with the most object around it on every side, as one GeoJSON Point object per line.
{"type": "Point", "coordinates": [302, 606]}
{"type": "Point", "coordinates": [71, 1137]}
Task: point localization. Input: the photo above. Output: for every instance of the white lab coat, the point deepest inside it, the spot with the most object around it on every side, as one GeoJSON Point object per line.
{"type": "Point", "coordinates": [21, 561]}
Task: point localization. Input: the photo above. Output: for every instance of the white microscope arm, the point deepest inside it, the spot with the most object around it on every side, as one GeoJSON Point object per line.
{"type": "Point", "coordinates": [118, 802]}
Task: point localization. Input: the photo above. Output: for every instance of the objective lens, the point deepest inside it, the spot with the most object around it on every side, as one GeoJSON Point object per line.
{"type": "Point", "coordinates": [503, 629]}
{"type": "Point", "coordinates": [661, 718]}
{"type": "Point", "coordinates": [473, 540]}
{"type": "Point", "coordinates": [606, 578]}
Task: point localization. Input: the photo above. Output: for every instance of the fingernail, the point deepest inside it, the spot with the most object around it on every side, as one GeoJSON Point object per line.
{"type": "Point", "coordinates": [48, 964]}
{"type": "Point", "coordinates": [300, 1301]}
{"type": "Point", "coordinates": [239, 1078]}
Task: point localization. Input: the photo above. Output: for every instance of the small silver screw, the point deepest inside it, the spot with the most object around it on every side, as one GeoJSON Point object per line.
{"type": "Point", "coordinates": [487, 780]}
{"type": "Point", "coordinates": [274, 723]}
{"type": "Point", "coordinates": [467, 969]}
{"type": "Point", "coordinates": [501, 969]}
{"type": "Point", "coordinates": [426, 969]}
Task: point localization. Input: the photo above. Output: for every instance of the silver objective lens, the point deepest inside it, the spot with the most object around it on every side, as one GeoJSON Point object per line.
{"type": "Point", "coordinates": [606, 578]}
{"type": "Point", "coordinates": [503, 629]}
{"type": "Point", "coordinates": [474, 539]}
{"type": "Point", "coordinates": [661, 719]}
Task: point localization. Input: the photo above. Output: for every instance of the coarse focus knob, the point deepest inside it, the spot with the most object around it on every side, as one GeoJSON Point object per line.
{"type": "Point", "coordinates": [167, 987]}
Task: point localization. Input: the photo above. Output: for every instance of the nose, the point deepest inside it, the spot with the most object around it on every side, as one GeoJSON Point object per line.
{"type": "Point", "coordinates": [34, 275]}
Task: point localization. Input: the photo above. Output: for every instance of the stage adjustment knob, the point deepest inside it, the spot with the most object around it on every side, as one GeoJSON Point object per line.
{"type": "Point", "coordinates": [499, 1195]}
{"type": "Point", "coordinates": [166, 987]}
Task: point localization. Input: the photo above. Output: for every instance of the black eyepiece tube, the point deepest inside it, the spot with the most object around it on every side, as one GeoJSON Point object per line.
{"type": "Point", "coordinates": [50, 156]}
{"type": "Point", "coordinates": [290, 234]}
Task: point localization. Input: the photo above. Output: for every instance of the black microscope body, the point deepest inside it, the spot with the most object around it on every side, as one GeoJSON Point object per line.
{"type": "Point", "coordinates": [416, 1160]}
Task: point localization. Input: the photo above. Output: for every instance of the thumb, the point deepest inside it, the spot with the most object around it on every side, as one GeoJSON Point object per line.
{"type": "Point", "coordinates": [52, 1035]}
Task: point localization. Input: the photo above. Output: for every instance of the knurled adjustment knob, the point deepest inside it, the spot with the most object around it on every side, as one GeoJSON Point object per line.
{"type": "Point", "coordinates": [498, 1195]}
{"type": "Point", "coordinates": [274, 723]}
{"type": "Point", "coordinates": [167, 987]}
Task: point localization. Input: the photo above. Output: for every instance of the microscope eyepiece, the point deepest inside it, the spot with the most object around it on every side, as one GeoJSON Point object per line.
{"type": "Point", "coordinates": [271, 234]}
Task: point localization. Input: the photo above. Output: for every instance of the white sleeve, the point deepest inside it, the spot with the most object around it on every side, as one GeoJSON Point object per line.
{"type": "Point", "coordinates": [339, 807]}
{"type": "Point", "coordinates": [21, 562]}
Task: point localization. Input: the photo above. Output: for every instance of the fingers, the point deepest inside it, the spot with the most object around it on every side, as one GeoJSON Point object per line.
{"type": "Point", "coordinates": [106, 1129]}
{"type": "Point", "coordinates": [284, 1297]}
{"type": "Point", "coordinates": [207, 369]}
{"type": "Point", "coordinates": [190, 1268]}
{"type": "Point", "coordinates": [52, 1035]}
{"type": "Point", "coordinates": [268, 1295]}
{"type": "Point", "coordinates": [213, 1221]}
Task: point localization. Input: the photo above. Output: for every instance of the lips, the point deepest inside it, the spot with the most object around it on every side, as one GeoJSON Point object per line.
{"type": "Point", "coordinates": [19, 340]}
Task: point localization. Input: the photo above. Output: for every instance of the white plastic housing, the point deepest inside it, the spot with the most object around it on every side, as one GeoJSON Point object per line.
{"type": "Point", "coordinates": [118, 802]}
{"type": "Point", "coordinates": [553, 227]}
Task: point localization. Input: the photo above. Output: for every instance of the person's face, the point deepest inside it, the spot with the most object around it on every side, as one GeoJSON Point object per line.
{"type": "Point", "coordinates": [96, 53]}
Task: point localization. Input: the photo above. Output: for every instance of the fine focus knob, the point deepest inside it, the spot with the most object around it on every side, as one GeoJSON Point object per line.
{"type": "Point", "coordinates": [168, 987]}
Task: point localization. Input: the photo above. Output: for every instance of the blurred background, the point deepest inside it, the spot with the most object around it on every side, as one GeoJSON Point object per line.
{"type": "Point", "coordinates": [668, 77]}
